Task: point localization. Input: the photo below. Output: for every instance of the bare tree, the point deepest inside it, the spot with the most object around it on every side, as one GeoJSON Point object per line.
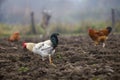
{"type": "Point", "coordinates": [45, 21]}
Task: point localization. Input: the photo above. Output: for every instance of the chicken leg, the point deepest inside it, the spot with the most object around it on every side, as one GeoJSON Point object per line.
{"type": "Point", "coordinates": [50, 60]}
{"type": "Point", "coordinates": [103, 45]}
{"type": "Point", "coordinates": [96, 43]}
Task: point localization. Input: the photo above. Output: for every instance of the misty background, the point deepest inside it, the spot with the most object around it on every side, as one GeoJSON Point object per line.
{"type": "Point", "coordinates": [64, 11]}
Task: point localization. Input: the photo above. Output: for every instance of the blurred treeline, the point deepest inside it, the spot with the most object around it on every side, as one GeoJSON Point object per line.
{"type": "Point", "coordinates": [67, 16]}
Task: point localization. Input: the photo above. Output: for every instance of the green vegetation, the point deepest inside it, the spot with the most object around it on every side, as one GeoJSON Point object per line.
{"type": "Point", "coordinates": [68, 29]}
{"type": "Point", "coordinates": [96, 78]}
{"type": "Point", "coordinates": [23, 69]}
{"type": "Point", "coordinates": [4, 30]}
{"type": "Point", "coordinates": [117, 28]}
{"type": "Point", "coordinates": [59, 56]}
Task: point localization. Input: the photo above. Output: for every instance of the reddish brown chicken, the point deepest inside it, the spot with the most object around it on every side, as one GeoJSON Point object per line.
{"type": "Point", "coordinates": [14, 37]}
{"type": "Point", "coordinates": [100, 36]}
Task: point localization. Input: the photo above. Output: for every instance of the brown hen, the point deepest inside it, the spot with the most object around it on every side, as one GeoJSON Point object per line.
{"type": "Point", "coordinates": [100, 36]}
{"type": "Point", "coordinates": [14, 37]}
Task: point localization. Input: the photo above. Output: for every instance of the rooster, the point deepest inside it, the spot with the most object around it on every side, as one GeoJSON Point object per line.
{"type": "Point", "coordinates": [46, 48]}
{"type": "Point", "coordinates": [14, 37]}
{"type": "Point", "coordinates": [100, 36]}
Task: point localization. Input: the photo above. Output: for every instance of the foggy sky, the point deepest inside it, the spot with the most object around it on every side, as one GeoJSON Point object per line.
{"type": "Point", "coordinates": [17, 11]}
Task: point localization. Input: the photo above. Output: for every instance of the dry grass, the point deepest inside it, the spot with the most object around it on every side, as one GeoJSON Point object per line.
{"type": "Point", "coordinates": [69, 29]}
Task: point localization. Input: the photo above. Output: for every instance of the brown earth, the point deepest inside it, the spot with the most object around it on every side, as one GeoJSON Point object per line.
{"type": "Point", "coordinates": [76, 58]}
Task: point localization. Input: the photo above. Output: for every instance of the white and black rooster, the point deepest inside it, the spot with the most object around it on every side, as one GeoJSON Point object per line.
{"type": "Point", "coordinates": [46, 48]}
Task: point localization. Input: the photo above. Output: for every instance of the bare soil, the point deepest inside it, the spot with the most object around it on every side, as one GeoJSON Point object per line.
{"type": "Point", "coordinates": [76, 58]}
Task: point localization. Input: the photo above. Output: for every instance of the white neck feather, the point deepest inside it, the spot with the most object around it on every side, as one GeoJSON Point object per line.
{"type": "Point", "coordinates": [30, 46]}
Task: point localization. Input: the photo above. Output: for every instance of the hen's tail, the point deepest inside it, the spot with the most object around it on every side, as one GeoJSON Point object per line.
{"type": "Point", "coordinates": [109, 28]}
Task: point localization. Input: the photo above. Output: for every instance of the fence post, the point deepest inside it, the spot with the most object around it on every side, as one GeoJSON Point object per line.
{"type": "Point", "coordinates": [32, 23]}
{"type": "Point", "coordinates": [113, 19]}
